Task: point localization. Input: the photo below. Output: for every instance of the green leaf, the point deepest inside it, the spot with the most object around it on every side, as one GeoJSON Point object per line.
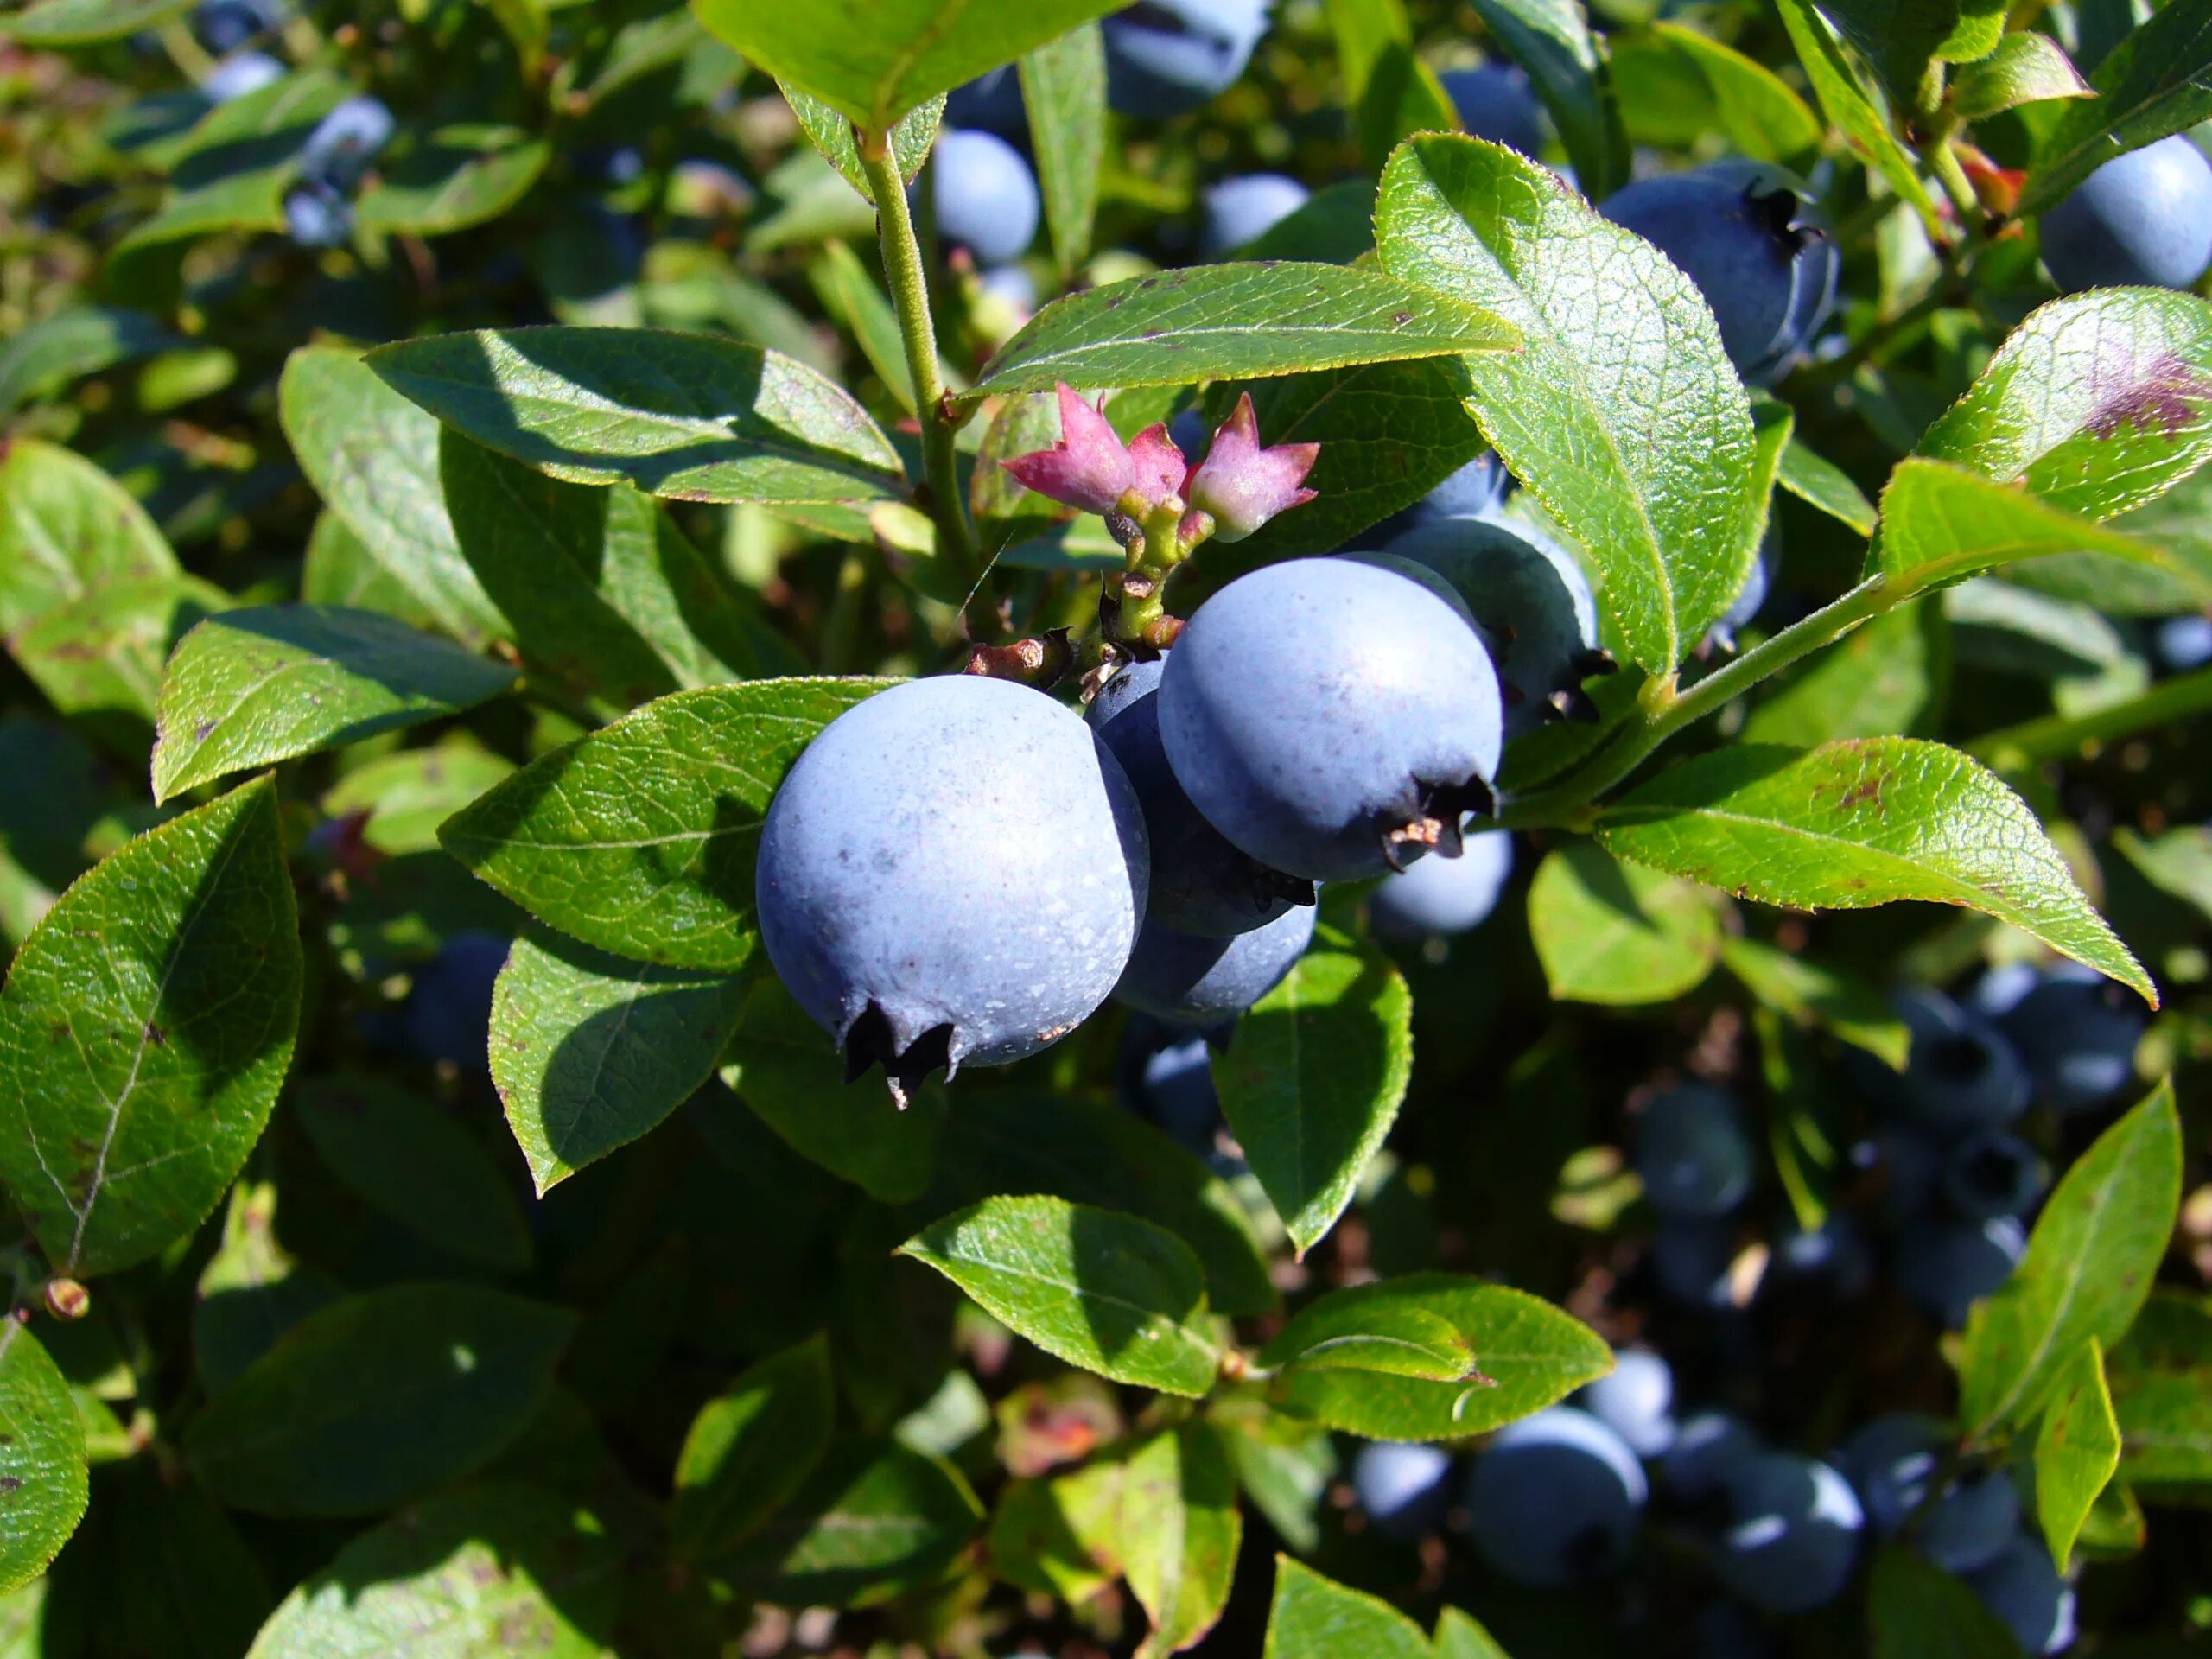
{"type": "Point", "coordinates": [67, 528]}
{"type": "Point", "coordinates": [1105, 1291]}
{"type": "Point", "coordinates": [2026, 68]}
{"type": "Point", "coordinates": [1762, 116]}
{"type": "Point", "coordinates": [1914, 1608]}
{"type": "Point", "coordinates": [1528, 1354]}
{"type": "Point", "coordinates": [71, 344]}
{"type": "Point", "coordinates": [416, 1163]}
{"type": "Point", "coordinates": [1093, 1152]}
{"type": "Point", "coordinates": [44, 832]}
{"type": "Point", "coordinates": [2090, 1261]}
{"type": "Point", "coordinates": [451, 179]}
{"type": "Point", "coordinates": [2177, 863]}
{"type": "Point", "coordinates": [849, 294]}
{"type": "Point", "coordinates": [1810, 993]}
{"type": "Point", "coordinates": [1900, 38]}
{"type": "Point", "coordinates": [1395, 1339]}
{"type": "Point", "coordinates": [2077, 1449]}
{"type": "Point", "coordinates": [1174, 1530]}
{"type": "Point", "coordinates": [1460, 1635]}
{"type": "Point", "coordinates": [145, 1028]}
{"type": "Point", "coordinates": [1551, 40]}
{"type": "Point", "coordinates": [1860, 823]}
{"type": "Point", "coordinates": [253, 687]}
{"type": "Point", "coordinates": [1849, 108]}
{"type": "Point", "coordinates": [252, 1291]}
{"type": "Point", "coordinates": [874, 60]}
{"type": "Point", "coordinates": [874, 1521]}
{"type": "Point", "coordinates": [86, 22]}
{"type": "Point", "coordinates": [1889, 677]}
{"type": "Point", "coordinates": [378, 1399]}
{"type": "Point", "coordinates": [1821, 483]}
{"type": "Point", "coordinates": [1314, 1617]}
{"type": "Point", "coordinates": [694, 417]}
{"type": "Point", "coordinates": [405, 797]}
{"type": "Point", "coordinates": [1313, 1079]}
{"type": "Point", "coordinates": [1616, 933]}
{"type": "Point", "coordinates": [784, 1066]}
{"type": "Point", "coordinates": [639, 838]}
{"type": "Point", "coordinates": [2161, 1377]}
{"type": "Point", "coordinates": [180, 1580]}
{"type": "Point", "coordinates": [373, 458]}
{"type": "Point", "coordinates": [590, 1051]}
{"type": "Point", "coordinates": [1063, 86]}
{"type": "Point", "coordinates": [1621, 413]}
{"type": "Point", "coordinates": [338, 569]}
{"type": "Point", "coordinates": [235, 166]}
{"type": "Point", "coordinates": [43, 1486]}
{"type": "Point", "coordinates": [99, 657]}
{"type": "Point", "coordinates": [1237, 322]}
{"type": "Point", "coordinates": [750, 1450]}
{"type": "Point", "coordinates": [832, 134]}
{"type": "Point", "coordinates": [494, 1570]}
{"type": "Point", "coordinates": [2156, 82]}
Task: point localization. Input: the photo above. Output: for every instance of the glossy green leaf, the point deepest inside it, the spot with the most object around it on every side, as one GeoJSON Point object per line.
{"type": "Point", "coordinates": [73, 343]}
{"type": "Point", "coordinates": [43, 1487]}
{"type": "Point", "coordinates": [1763, 116]}
{"type": "Point", "coordinates": [1173, 1529]}
{"type": "Point", "coordinates": [251, 1290]}
{"type": "Point", "coordinates": [1063, 88]}
{"type": "Point", "coordinates": [2098, 403]}
{"type": "Point", "coordinates": [1528, 1354]}
{"type": "Point", "coordinates": [751, 1449]}
{"type": "Point", "coordinates": [373, 458]}
{"type": "Point", "coordinates": [1621, 413]}
{"type": "Point", "coordinates": [418, 1163]}
{"type": "Point", "coordinates": [1393, 1339]}
{"type": "Point", "coordinates": [2090, 1261]}
{"type": "Point", "coordinates": [99, 655]}
{"type": "Point", "coordinates": [639, 838]}
{"type": "Point", "coordinates": [1887, 678]}
{"type": "Point", "coordinates": [1314, 1078]}
{"type": "Point", "coordinates": [1099, 1289]}
{"type": "Point", "coordinates": [236, 163]}
{"type": "Point", "coordinates": [1914, 1608]}
{"type": "Point", "coordinates": [2077, 1449]}
{"type": "Point", "coordinates": [253, 687]}
{"type": "Point", "coordinates": [1942, 524]}
{"type": "Point", "coordinates": [2026, 68]}
{"type": "Point", "coordinates": [589, 1051]}
{"type": "Point", "coordinates": [2161, 1380]}
{"type": "Point", "coordinates": [695, 417]}
{"type": "Point", "coordinates": [1459, 1635]}
{"type": "Point", "coordinates": [378, 1400]}
{"type": "Point", "coordinates": [1849, 106]}
{"type": "Point", "coordinates": [338, 569]}
{"type": "Point", "coordinates": [873, 1521]}
{"type": "Point", "coordinates": [1899, 38]}
{"type": "Point", "coordinates": [1810, 993]}
{"type": "Point", "coordinates": [874, 60]}
{"type": "Point", "coordinates": [1314, 1617]}
{"type": "Point", "coordinates": [1237, 322]}
{"type": "Point", "coordinates": [1552, 39]}
{"type": "Point", "coordinates": [832, 134]}
{"type": "Point", "coordinates": [145, 1028]}
{"type": "Point", "coordinates": [1821, 483]}
{"type": "Point", "coordinates": [1859, 823]}
{"type": "Point", "coordinates": [451, 179]}
{"type": "Point", "coordinates": [1616, 933]}
{"type": "Point", "coordinates": [85, 22]}
{"type": "Point", "coordinates": [66, 528]}
{"type": "Point", "coordinates": [493, 1570]}
{"type": "Point", "coordinates": [2155, 82]}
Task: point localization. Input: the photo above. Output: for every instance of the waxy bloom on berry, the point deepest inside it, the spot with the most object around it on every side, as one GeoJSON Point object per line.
{"type": "Point", "coordinates": [1091, 468]}
{"type": "Point", "coordinates": [1240, 485]}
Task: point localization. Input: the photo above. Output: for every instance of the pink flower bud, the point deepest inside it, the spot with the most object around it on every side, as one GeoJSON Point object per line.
{"type": "Point", "coordinates": [1090, 468]}
{"type": "Point", "coordinates": [1241, 486]}
{"type": "Point", "coordinates": [1161, 468]}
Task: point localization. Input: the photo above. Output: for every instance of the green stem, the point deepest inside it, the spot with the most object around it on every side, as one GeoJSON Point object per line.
{"type": "Point", "coordinates": [2015, 748]}
{"type": "Point", "coordinates": [184, 51]}
{"type": "Point", "coordinates": [1945, 160]}
{"type": "Point", "coordinates": [910, 296]}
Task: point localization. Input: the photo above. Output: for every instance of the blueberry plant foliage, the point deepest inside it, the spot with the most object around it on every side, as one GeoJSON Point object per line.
{"type": "Point", "coordinates": [576, 578]}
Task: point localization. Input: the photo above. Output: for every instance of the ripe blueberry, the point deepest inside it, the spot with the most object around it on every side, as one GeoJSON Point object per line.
{"type": "Point", "coordinates": [1168, 57]}
{"type": "Point", "coordinates": [1793, 1535]}
{"type": "Point", "coordinates": [1495, 102]}
{"type": "Point", "coordinates": [1962, 1075]}
{"type": "Point", "coordinates": [1188, 979]}
{"type": "Point", "coordinates": [2076, 1033]}
{"type": "Point", "coordinates": [1992, 1174]}
{"type": "Point", "coordinates": [986, 195]}
{"type": "Point", "coordinates": [1200, 883]}
{"type": "Point", "coordinates": [1745, 233]}
{"type": "Point", "coordinates": [1556, 1497]}
{"type": "Point", "coordinates": [2185, 642]}
{"type": "Point", "coordinates": [992, 102]}
{"type": "Point", "coordinates": [2022, 1588]}
{"type": "Point", "coordinates": [240, 73]}
{"type": "Point", "coordinates": [1402, 1488]}
{"type": "Point", "coordinates": [952, 873]}
{"type": "Point", "coordinates": [345, 141]}
{"type": "Point", "coordinates": [1946, 1267]}
{"type": "Point", "coordinates": [1166, 1076]}
{"type": "Point", "coordinates": [1833, 1257]}
{"type": "Point", "coordinates": [1694, 1262]}
{"type": "Point", "coordinates": [1708, 1449]}
{"type": "Point", "coordinates": [1332, 719]}
{"type": "Point", "coordinates": [1442, 897]}
{"type": "Point", "coordinates": [2142, 219]}
{"type": "Point", "coordinates": [1634, 1400]}
{"type": "Point", "coordinates": [1244, 209]}
{"type": "Point", "coordinates": [1693, 1151]}
{"type": "Point", "coordinates": [448, 1014]}
{"type": "Point", "coordinates": [316, 216]}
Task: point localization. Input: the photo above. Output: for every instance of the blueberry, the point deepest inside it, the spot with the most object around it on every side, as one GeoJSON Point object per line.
{"type": "Point", "coordinates": [448, 1014]}
{"type": "Point", "coordinates": [222, 26]}
{"type": "Point", "coordinates": [1634, 1400]}
{"type": "Point", "coordinates": [986, 196]}
{"type": "Point", "coordinates": [1188, 979]}
{"type": "Point", "coordinates": [1726, 1630]}
{"type": "Point", "coordinates": [1792, 1538]}
{"type": "Point", "coordinates": [240, 73]}
{"type": "Point", "coordinates": [1693, 1153]}
{"type": "Point", "coordinates": [1909, 1167]}
{"type": "Point", "coordinates": [1946, 1267]}
{"type": "Point", "coordinates": [2076, 1033]}
{"type": "Point", "coordinates": [1402, 1488]}
{"type": "Point", "coordinates": [2145, 218]}
{"type": "Point", "coordinates": [1744, 233]}
{"type": "Point", "coordinates": [1168, 57]}
{"type": "Point", "coordinates": [1242, 210]}
{"type": "Point", "coordinates": [316, 216]}
{"type": "Point", "coordinates": [1556, 1497]}
{"type": "Point", "coordinates": [1531, 603]}
{"type": "Point", "coordinates": [1970, 1524]}
{"type": "Point", "coordinates": [345, 141]}
{"type": "Point", "coordinates": [1692, 1261]}
{"type": "Point", "coordinates": [1998, 992]}
{"type": "Point", "coordinates": [1166, 1077]}
{"type": "Point", "coordinates": [991, 103]}
{"type": "Point", "coordinates": [2185, 642]}
{"type": "Point", "coordinates": [1201, 884]}
{"type": "Point", "coordinates": [1443, 897]}
{"type": "Point", "coordinates": [1495, 102]}
{"type": "Point", "coordinates": [1992, 1174]}
{"type": "Point", "coordinates": [1750, 599]}
{"type": "Point", "coordinates": [1332, 719]}
{"type": "Point", "coordinates": [1479, 486]}
{"type": "Point", "coordinates": [952, 873]}
{"type": "Point", "coordinates": [1962, 1074]}
{"type": "Point", "coordinates": [1833, 1257]}
{"type": "Point", "coordinates": [1708, 1448]}
{"type": "Point", "coordinates": [1890, 1461]}
{"type": "Point", "coordinates": [2022, 1588]}
{"type": "Point", "coordinates": [1011, 284]}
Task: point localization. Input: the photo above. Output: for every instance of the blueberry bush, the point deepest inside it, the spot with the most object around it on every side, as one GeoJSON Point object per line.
{"type": "Point", "coordinates": [928, 827]}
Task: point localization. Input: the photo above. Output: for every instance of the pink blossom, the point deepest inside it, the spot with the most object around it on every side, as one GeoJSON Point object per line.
{"type": "Point", "coordinates": [1090, 468]}
{"type": "Point", "coordinates": [1241, 486]}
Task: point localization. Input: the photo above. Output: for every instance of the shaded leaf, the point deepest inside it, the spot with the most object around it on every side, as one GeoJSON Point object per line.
{"type": "Point", "coordinates": [2026, 68]}
{"type": "Point", "coordinates": [750, 1449]}
{"type": "Point", "coordinates": [70, 344]}
{"type": "Point", "coordinates": [252, 1291]}
{"type": "Point", "coordinates": [405, 796]}
{"type": "Point", "coordinates": [1763, 116]}
{"type": "Point", "coordinates": [2077, 1449]}
{"type": "Point", "coordinates": [2161, 1377]}
{"type": "Point", "coordinates": [1811, 993]}
{"type": "Point", "coordinates": [1552, 39]}
{"type": "Point", "coordinates": [1942, 524]}
{"type": "Point", "coordinates": [1618, 933]}
{"type": "Point", "coordinates": [1889, 677]}
{"type": "Point", "coordinates": [86, 22]}
{"type": "Point", "coordinates": [451, 179]}
{"type": "Point", "coordinates": [1063, 88]}
{"type": "Point", "coordinates": [1915, 1608]}
{"type": "Point", "coordinates": [1849, 108]}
